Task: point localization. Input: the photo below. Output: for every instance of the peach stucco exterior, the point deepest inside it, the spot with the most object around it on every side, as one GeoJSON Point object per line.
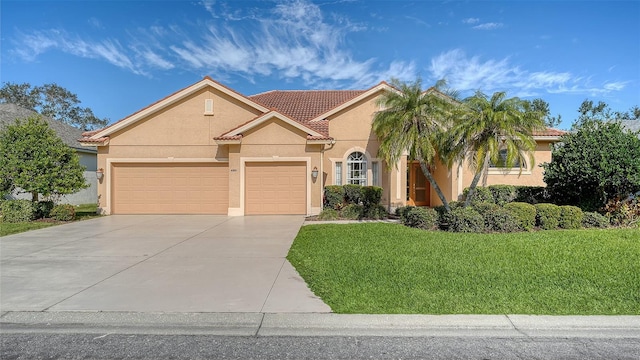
{"type": "Point", "coordinates": [208, 123]}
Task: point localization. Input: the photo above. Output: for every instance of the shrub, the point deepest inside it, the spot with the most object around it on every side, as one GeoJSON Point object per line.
{"type": "Point", "coordinates": [403, 210]}
{"type": "Point", "coordinates": [63, 212]}
{"type": "Point", "coordinates": [42, 209]}
{"type": "Point", "coordinates": [14, 211]}
{"type": "Point", "coordinates": [624, 212]}
{"type": "Point", "coordinates": [351, 212]}
{"type": "Point", "coordinates": [352, 194]}
{"type": "Point", "coordinates": [466, 220]}
{"type": "Point", "coordinates": [570, 217]}
{"type": "Point", "coordinates": [531, 194]}
{"type": "Point", "coordinates": [594, 220]}
{"type": "Point", "coordinates": [375, 212]}
{"type": "Point", "coordinates": [333, 197]}
{"type": "Point", "coordinates": [547, 216]}
{"type": "Point", "coordinates": [503, 194]}
{"type": "Point", "coordinates": [371, 196]}
{"type": "Point", "coordinates": [444, 217]}
{"type": "Point", "coordinates": [497, 218]}
{"type": "Point", "coordinates": [328, 214]}
{"type": "Point", "coordinates": [481, 194]}
{"type": "Point", "coordinates": [524, 213]}
{"type": "Point", "coordinates": [421, 218]}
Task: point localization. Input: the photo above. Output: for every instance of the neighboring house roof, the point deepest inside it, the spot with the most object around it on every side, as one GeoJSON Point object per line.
{"type": "Point", "coordinates": [632, 125]}
{"type": "Point", "coordinates": [69, 134]}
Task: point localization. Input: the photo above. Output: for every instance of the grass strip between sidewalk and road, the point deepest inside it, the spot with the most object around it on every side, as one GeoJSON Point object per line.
{"type": "Point", "coordinates": [381, 268]}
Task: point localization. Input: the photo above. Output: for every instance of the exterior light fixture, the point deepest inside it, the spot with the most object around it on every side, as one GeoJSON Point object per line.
{"type": "Point", "coordinates": [99, 174]}
{"type": "Point", "coordinates": [314, 172]}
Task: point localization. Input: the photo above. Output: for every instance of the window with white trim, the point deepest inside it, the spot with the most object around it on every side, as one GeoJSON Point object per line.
{"type": "Point", "coordinates": [357, 169]}
{"type": "Point", "coordinates": [375, 176]}
{"type": "Point", "coordinates": [503, 161]}
{"type": "Point", "coordinates": [338, 173]}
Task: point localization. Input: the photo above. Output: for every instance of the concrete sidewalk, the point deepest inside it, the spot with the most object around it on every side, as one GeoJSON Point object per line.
{"type": "Point", "coordinates": [271, 324]}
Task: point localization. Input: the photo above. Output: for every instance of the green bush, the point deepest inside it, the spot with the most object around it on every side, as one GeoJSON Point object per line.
{"type": "Point", "coordinates": [531, 194]}
{"type": "Point", "coordinates": [547, 216]}
{"type": "Point", "coordinates": [333, 197]}
{"type": "Point", "coordinates": [14, 211]}
{"type": "Point", "coordinates": [42, 209]}
{"type": "Point", "coordinates": [352, 194]}
{"type": "Point", "coordinates": [524, 213]}
{"type": "Point", "coordinates": [503, 194]}
{"type": "Point", "coordinates": [594, 220]}
{"type": "Point", "coordinates": [421, 218]}
{"type": "Point", "coordinates": [466, 220]}
{"type": "Point", "coordinates": [375, 212]}
{"type": "Point", "coordinates": [444, 217]}
{"type": "Point", "coordinates": [481, 194]}
{"type": "Point", "coordinates": [624, 212]}
{"type": "Point", "coordinates": [351, 212]}
{"type": "Point", "coordinates": [403, 210]}
{"type": "Point", "coordinates": [63, 212]}
{"type": "Point", "coordinates": [497, 218]}
{"type": "Point", "coordinates": [570, 217]}
{"type": "Point", "coordinates": [328, 214]}
{"type": "Point", "coordinates": [371, 196]}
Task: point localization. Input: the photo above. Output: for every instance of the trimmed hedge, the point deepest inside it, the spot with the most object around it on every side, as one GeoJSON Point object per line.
{"type": "Point", "coordinates": [403, 210]}
{"type": "Point", "coordinates": [63, 212]}
{"type": "Point", "coordinates": [421, 218]}
{"type": "Point", "coordinates": [444, 217]}
{"type": "Point", "coordinates": [351, 212]}
{"type": "Point", "coordinates": [497, 218]}
{"type": "Point", "coordinates": [570, 217]}
{"type": "Point", "coordinates": [42, 209]}
{"type": "Point", "coordinates": [375, 212]}
{"type": "Point", "coordinates": [352, 194]}
{"type": "Point", "coordinates": [480, 195]}
{"type": "Point", "coordinates": [466, 220]}
{"type": "Point", "coordinates": [365, 201]}
{"type": "Point", "coordinates": [594, 220]}
{"type": "Point", "coordinates": [14, 211]}
{"type": "Point", "coordinates": [531, 194]}
{"type": "Point", "coordinates": [547, 216]}
{"type": "Point", "coordinates": [333, 197]}
{"type": "Point", "coordinates": [503, 194]}
{"type": "Point", "coordinates": [524, 213]}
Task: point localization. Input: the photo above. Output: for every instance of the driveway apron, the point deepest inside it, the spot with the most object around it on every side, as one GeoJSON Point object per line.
{"type": "Point", "coordinates": [148, 263]}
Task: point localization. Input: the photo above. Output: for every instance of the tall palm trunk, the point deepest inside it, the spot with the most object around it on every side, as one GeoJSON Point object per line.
{"type": "Point", "coordinates": [474, 182]}
{"type": "Point", "coordinates": [427, 174]}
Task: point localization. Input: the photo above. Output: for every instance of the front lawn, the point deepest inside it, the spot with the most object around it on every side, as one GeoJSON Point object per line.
{"type": "Point", "coordinates": [83, 212]}
{"type": "Point", "coordinates": [380, 268]}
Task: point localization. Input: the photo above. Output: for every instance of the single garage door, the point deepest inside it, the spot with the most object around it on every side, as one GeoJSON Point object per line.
{"type": "Point", "coordinates": [186, 188]}
{"type": "Point", "coordinates": [275, 188]}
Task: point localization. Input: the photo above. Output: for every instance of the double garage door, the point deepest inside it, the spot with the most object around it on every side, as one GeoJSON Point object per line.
{"type": "Point", "coordinates": [202, 188]}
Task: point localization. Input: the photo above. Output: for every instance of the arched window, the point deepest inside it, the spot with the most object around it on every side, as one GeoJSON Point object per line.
{"type": "Point", "coordinates": [357, 169]}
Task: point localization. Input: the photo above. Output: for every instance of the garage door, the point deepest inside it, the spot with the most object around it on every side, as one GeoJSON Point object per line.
{"type": "Point", "coordinates": [190, 188]}
{"type": "Point", "coordinates": [275, 188]}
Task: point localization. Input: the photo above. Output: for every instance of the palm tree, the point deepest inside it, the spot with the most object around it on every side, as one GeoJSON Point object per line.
{"type": "Point", "coordinates": [413, 121]}
{"type": "Point", "coordinates": [485, 127]}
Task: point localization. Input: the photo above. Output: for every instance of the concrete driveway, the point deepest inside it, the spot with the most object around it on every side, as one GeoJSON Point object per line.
{"type": "Point", "coordinates": [152, 263]}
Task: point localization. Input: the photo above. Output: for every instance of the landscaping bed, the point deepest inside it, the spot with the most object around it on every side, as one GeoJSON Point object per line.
{"type": "Point", "coordinates": [82, 212]}
{"type": "Point", "coordinates": [379, 268]}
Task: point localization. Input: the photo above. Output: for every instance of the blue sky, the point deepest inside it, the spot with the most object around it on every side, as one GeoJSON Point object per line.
{"type": "Point", "coordinates": [120, 56]}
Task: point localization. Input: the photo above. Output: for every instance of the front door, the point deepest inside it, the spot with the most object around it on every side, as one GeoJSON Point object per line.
{"type": "Point", "coordinates": [419, 187]}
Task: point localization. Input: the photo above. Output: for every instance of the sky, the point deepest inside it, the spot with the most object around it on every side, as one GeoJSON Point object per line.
{"type": "Point", "coordinates": [120, 56]}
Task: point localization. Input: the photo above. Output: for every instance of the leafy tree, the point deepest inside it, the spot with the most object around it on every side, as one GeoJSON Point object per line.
{"type": "Point", "coordinates": [413, 121]}
{"type": "Point", "coordinates": [597, 162]}
{"type": "Point", "coordinates": [542, 106]}
{"type": "Point", "coordinates": [35, 159]}
{"type": "Point", "coordinates": [486, 126]}
{"type": "Point", "coordinates": [53, 101]}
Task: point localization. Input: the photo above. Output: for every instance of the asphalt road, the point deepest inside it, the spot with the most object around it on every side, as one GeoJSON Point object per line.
{"type": "Point", "coordinates": [112, 346]}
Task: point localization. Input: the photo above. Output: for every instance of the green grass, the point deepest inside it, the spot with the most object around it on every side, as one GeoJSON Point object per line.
{"type": "Point", "coordinates": [381, 268]}
{"type": "Point", "coordinates": [83, 212]}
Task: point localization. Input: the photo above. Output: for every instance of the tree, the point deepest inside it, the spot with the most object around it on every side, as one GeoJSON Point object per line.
{"type": "Point", "coordinates": [487, 126]}
{"type": "Point", "coordinates": [597, 162]}
{"type": "Point", "coordinates": [53, 101]}
{"type": "Point", "coordinates": [36, 160]}
{"type": "Point", "coordinates": [542, 106]}
{"type": "Point", "coordinates": [413, 121]}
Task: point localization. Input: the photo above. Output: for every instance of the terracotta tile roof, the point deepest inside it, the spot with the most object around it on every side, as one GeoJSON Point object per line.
{"type": "Point", "coordinates": [309, 137]}
{"type": "Point", "coordinates": [89, 140]}
{"type": "Point", "coordinates": [231, 137]}
{"type": "Point", "coordinates": [304, 105]}
{"type": "Point", "coordinates": [549, 132]}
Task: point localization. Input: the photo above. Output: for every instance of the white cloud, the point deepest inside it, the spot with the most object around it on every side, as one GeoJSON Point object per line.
{"type": "Point", "coordinates": [292, 41]}
{"type": "Point", "coordinates": [488, 26]}
{"type": "Point", "coordinates": [471, 20]}
{"type": "Point", "coordinates": [472, 73]}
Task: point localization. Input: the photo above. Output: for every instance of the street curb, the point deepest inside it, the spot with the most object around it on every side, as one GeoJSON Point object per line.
{"type": "Point", "coordinates": [299, 324]}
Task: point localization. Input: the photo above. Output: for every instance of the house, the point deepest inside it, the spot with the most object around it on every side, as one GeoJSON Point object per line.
{"type": "Point", "coordinates": [207, 149]}
{"type": "Point", "coordinates": [69, 135]}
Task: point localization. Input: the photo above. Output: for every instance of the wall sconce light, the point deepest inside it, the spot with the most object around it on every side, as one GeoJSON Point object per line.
{"type": "Point", "coordinates": [314, 172]}
{"type": "Point", "coordinates": [99, 174]}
